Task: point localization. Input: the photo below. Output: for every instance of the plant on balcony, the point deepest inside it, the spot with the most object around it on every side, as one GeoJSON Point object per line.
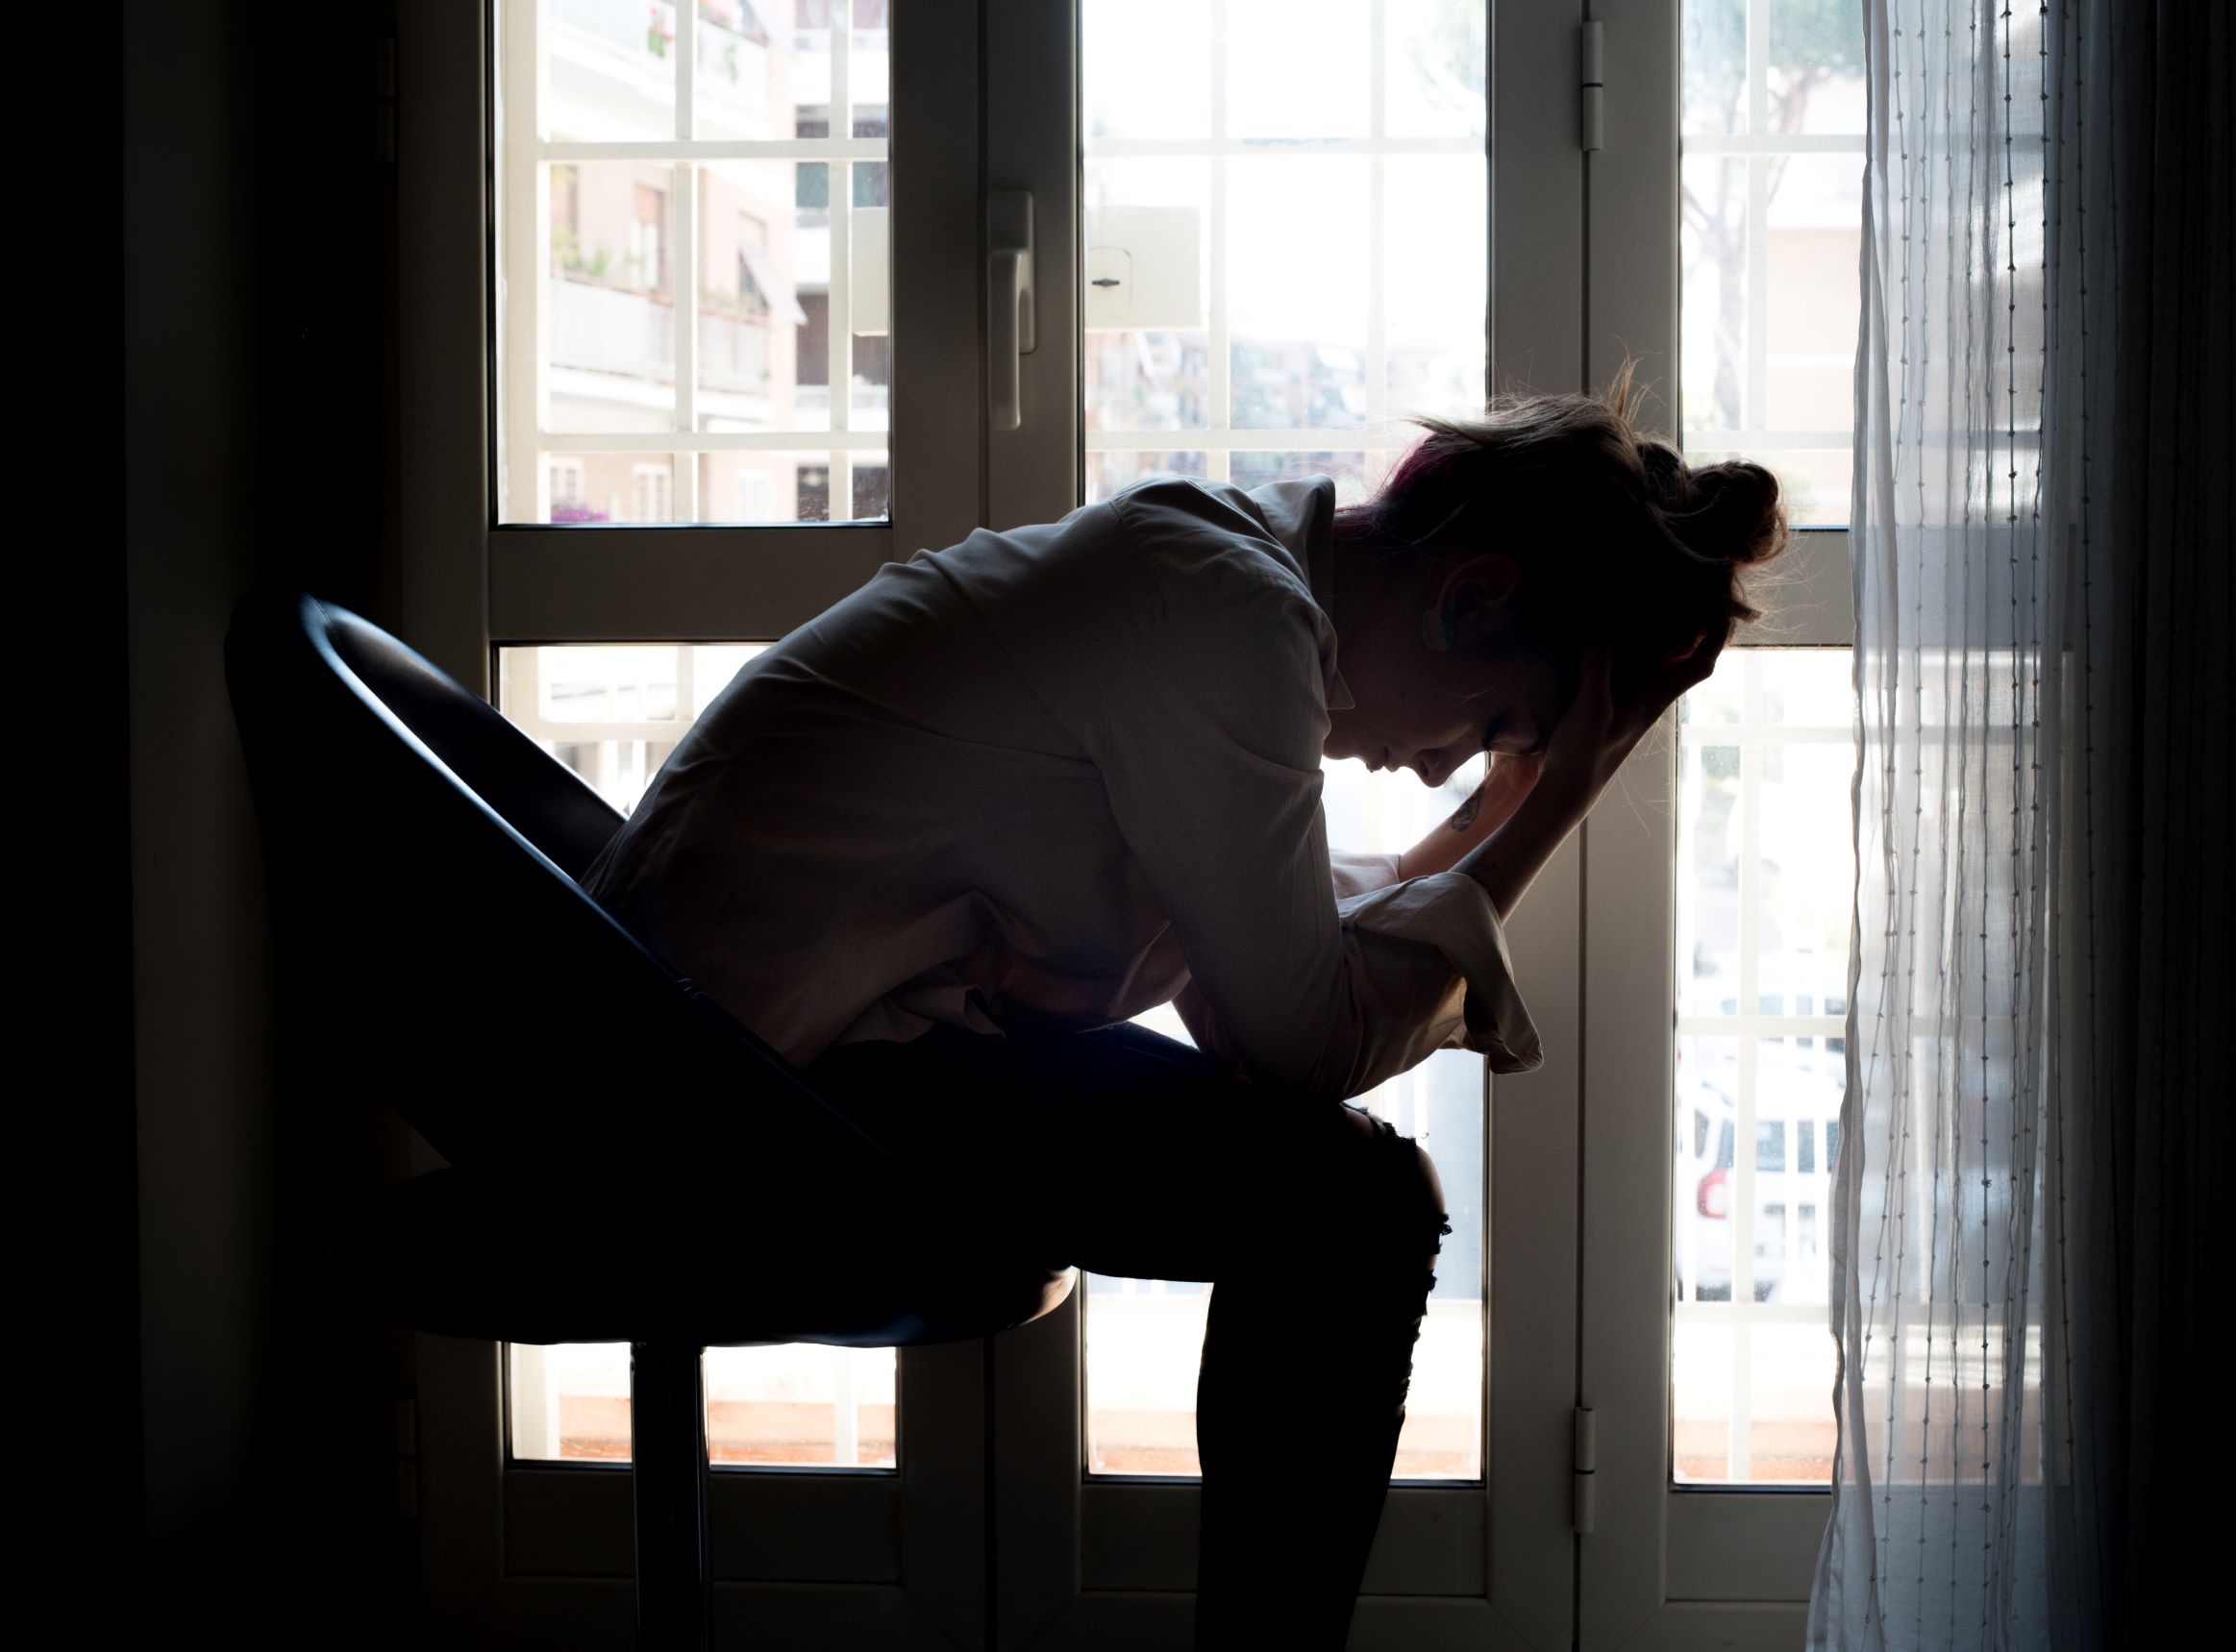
{"type": "Point", "coordinates": [575, 510]}
{"type": "Point", "coordinates": [658, 35]}
{"type": "Point", "coordinates": [567, 248]}
{"type": "Point", "coordinates": [737, 16]}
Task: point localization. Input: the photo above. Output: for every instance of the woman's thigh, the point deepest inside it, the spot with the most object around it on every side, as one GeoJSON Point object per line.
{"type": "Point", "coordinates": [1125, 1152]}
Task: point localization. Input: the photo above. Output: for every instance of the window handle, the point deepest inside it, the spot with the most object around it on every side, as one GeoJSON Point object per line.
{"type": "Point", "coordinates": [1009, 330]}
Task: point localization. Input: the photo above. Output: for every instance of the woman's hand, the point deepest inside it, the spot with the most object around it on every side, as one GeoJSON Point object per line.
{"type": "Point", "coordinates": [1588, 745]}
{"type": "Point", "coordinates": [1611, 715]}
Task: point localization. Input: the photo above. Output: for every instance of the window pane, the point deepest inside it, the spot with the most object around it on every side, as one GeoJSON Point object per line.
{"type": "Point", "coordinates": [1764, 886]}
{"type": "Point", "coordinates": [1771, 202]}
{"type": "Point", "coordinates": [1223, 340]}
{"type": "Point", "coordinates": [802, 1406]}
{"type": "Point", "coordinates": [611, 69]}
{"type": "Point", "coordinates": [612, 714]}
{"type": "Point", "coordinates": [1150, 72]}
{"type": "Point", "coordinates": [1204, 316]}
{"type": "Point", "coordinates": [705, 306]}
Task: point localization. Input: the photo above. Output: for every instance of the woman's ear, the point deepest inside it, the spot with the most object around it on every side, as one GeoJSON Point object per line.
{"type": "Point", "coordinates": [1471, 604]}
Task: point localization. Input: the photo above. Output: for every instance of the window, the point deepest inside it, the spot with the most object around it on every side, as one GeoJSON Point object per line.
{"type": "Point", "coordinates": [1772, 222]}
{"type": "Point", "coordinates": [613, 715]}
{"type": "Point", "coordinates": [1209, 353]}
{"type": "Point", "coordinates": [1764, 879]}
{"type": "Point", "coordinates": [1286, 224]}
{"type": "Point", "coordinates": [652, 489]}
{"type": "Point", "coordinates": [740, 153]}
{"type": "Point", "coordinates": [692, 268]}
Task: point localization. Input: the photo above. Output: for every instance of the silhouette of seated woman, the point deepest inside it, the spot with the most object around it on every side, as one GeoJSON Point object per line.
{"type": "Point", "coordinates": [940, 843]}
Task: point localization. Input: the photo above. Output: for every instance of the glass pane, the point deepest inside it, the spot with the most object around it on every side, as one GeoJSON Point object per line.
{"type": "Point", "coordinates": [607, 254]}
{"type": "Point", "coordinates": [1764, 891]}
{"type": "Point", "coordinates": [1207, 316]}
{"type": "Point", "coordinates": [797, 1407]}
{"type": "Point", "coordinates": [609, 298]}
{"type": "Point", "coordinates": [1770, 239]}
{"type": "Point", "coordinates": [1434, 69]}
{"type": "Point", "coordinates": [1814, 82]}
{"type": "Point", "coordinates": [611, 68]}
{"type": "Point", "coordinates": [1150, 73]}
{"type": "Point", "coordinates": [1350, 470]}
{"type": "Point", "coordinates": [612, 714]}
{"type": "Point", "coordinates": [610, 488]}
{"type": "Point", "coordinates": [1293, 68]}
{"type": "Point", "coordinates": [1109, 471]}
{"type": "Point", "coordinates": [1155, 377]}
{"type": "Point", "coordinates": [1299, 345]}
{"type": "Point", "coordinates": [1204, 330]}
{"type": "Point", "coordinates": [1715, 66]}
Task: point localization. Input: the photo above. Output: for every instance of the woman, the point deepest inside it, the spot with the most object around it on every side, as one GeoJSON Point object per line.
{"type": "Point", "coordinates": [939, 843]}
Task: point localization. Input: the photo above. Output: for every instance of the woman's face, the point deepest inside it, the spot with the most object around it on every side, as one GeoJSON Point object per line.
{"type": "Point", "coordinates": [1500, 686]}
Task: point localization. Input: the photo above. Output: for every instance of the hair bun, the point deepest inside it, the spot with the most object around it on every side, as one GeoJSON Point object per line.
{"type": "Point", "coordinates": [1728, 512]}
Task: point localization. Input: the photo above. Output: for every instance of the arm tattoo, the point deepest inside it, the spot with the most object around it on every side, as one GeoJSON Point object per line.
{"type": "Point", "coordinates": [1464, 816]}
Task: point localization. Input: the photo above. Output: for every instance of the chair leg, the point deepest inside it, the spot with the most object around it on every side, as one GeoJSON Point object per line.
{"type": "Point", "coordinates": [667, 1423]}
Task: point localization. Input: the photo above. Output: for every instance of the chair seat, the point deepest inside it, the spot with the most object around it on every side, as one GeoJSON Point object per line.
{"type": "Point", "coordinates": [459, 1254]}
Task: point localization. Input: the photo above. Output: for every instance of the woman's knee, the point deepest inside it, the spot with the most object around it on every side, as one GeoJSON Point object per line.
{"type": "Point", "coordinates": [1402, 1192]}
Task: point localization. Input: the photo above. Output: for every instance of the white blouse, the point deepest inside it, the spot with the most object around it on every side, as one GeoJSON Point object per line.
{"type": "Point", "coordinates": [1067, 769]}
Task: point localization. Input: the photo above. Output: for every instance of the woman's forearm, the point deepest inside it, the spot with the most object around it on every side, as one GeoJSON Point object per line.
{"type": "Point", "coordinates": [1507, 861]}
{"type": "Point", "coordinates": [1506, 783]}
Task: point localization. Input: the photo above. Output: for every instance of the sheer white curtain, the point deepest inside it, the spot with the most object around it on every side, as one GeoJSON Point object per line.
{"type": "Point", "coordinates": [2034, 1154]}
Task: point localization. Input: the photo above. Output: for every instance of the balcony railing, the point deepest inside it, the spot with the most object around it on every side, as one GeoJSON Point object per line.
{"type": "Point", "coordinates": [633, 335]}
{"type": "Point", "coordinates": [610, 331]}
{"type": "Point", "coordinates": [734, 353]}
{"type": "Point", "coordinates": [634, 42]}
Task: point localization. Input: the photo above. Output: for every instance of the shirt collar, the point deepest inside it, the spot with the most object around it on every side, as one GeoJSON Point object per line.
{"type": "Point", "coordinates": [1301, 511]}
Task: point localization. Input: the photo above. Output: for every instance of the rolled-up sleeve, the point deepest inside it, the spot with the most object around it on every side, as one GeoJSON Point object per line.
{"type": "Point", "coordinates": [1208, 741]}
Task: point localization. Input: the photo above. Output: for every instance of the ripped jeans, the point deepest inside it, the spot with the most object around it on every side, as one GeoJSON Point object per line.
{"type": "Point", "coordinates": [1126, 1153]}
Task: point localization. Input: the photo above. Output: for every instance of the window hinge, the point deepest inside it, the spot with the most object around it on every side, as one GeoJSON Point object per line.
{"type": "Point", "coordinates": [1593, 56]}
{"type": "Point", "coordinates": [1584, 1461]}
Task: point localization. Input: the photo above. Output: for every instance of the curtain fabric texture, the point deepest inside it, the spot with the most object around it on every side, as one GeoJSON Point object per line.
{"type": "Point", "coordinates": [2034, 1148]}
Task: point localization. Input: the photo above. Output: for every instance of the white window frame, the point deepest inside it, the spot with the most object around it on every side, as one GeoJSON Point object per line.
{"type": "Point", "coordinates": [1102, 1562]}
{"type": "Point", "coordinates": [1576, 1263]}
{"type": "Point", "coordinates": [1664, 1564]}
{"type": "Point", "coordinates": [540, 1553]}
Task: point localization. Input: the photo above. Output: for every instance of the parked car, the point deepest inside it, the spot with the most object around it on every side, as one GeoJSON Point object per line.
{"type": "Point", "coordinates": [1796, 1132]}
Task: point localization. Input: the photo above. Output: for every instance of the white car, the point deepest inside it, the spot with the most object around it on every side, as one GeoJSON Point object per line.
{"type": "Point", "coordinates": [1796, 1132]}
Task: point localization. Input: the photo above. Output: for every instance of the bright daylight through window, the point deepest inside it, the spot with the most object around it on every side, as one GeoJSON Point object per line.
{"type": "Point", "coordinates": [1765, 870]}
{"type": "Point", "coordinates": [612, 715]}
{"type": "Point", "coordinates": [1772, 181]}
{"type": "Point", "coordinates": [1773, 231]}
{"type": "Point", "coordinates": [1230, 336]}
{"type": "Point", "coordinates": [694, 262]}
{"type": "Point", "coordinates": [692, 253]}
{"type": "Point", "coordinates": [693, 256]}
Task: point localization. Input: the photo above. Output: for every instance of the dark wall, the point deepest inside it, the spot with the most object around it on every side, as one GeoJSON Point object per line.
{"type": "Point", "coordinates": [258, 446]}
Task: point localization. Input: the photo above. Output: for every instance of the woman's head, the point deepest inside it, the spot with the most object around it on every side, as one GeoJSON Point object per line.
{"type": "Point", "coordinates": [1500, 545]}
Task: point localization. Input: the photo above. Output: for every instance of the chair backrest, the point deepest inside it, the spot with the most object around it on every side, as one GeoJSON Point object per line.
{"type": "Point", "coordinates": [422, 856]}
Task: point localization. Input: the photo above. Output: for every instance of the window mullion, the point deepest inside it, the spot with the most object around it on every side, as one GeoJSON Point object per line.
{"type": "Point", "coordinates": [841, 314]}
{"type": "Point", "coordinates": [524, 252]}
{"type": "Point", "coordinates": [1221, 386]}
{"type": "Point", "coordinates": [686, 505]}
{"type": "Point", "coordinates": [1377, 209]}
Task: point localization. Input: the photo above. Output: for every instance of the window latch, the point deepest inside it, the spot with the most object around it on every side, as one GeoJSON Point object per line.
{"type": "Point", "coordinates": [1583, 1462]}
{"type": "Point", "coordinates": [1592, 57]}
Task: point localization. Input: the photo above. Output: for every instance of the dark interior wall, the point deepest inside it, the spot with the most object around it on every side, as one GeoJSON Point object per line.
{"type": "Point", "coordinates": [258, 446]}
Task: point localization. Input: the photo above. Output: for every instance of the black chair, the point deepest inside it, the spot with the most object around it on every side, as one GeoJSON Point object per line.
{"type": "Point", "coordinates": [422, 856]}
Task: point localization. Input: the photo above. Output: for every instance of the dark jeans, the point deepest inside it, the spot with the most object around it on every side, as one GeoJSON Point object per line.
{"type": "Point", "coordinates": [1126, 1153]}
